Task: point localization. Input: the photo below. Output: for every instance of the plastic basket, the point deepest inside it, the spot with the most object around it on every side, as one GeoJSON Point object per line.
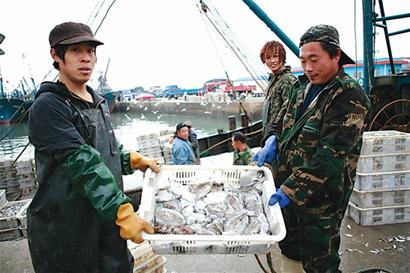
{"type": "Point", "coordinates": [145, 260]}
{"type": "Point", "coordinates": [209, 244]}
{"type": "Point", "coordinates": [385, 181]}
{"type": "Point", "coordinates": [3, 199]}
{"type": "Point", "coordinates": [9, 220]}
{"type": "Point", "coordinates": [380, 198]}
{"type": "Point", "coordinates": [380, 215]}
{"type": "Point", "coordinates": [383, 163]}
{"type": "Point", "coordinates": [385, 142]}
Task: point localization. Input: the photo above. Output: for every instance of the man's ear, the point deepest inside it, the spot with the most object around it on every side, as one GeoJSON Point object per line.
{"type": "Point", "coordinates": [53, 54]}
{"type": "Point", "coordinates": [338, 54]}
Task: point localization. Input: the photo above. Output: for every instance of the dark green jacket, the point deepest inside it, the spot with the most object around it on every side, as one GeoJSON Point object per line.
{"type": "Point", "coordinates": [242, 158]}
{"type": "Point", "coordinates": [276, 94]}
{"type": "Point", "coordinates": [319, 149]}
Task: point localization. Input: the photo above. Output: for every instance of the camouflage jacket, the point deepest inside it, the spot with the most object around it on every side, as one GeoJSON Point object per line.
{"type": "Point", "coordinates": [242, 158]}
{"type": "Point", "coordinates": [276, 94]}
{"type": "Point", "coordinates": [320, 149]}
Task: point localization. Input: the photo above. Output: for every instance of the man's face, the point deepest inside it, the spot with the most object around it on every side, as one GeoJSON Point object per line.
{"type": "Point", "coordinates": [317, 64]}
{"type": "Point", "coordinates": [234, 144]}
{"type": "Point", "coordinates": [79, 63]}
{"type": "Point", "coordinates": [274, 63]}
{"type": "Point", "coordinates": [183, 133]}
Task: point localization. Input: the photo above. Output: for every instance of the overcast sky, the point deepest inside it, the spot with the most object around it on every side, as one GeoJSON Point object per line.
{"type": "Point", "coordinates": [163, 42]}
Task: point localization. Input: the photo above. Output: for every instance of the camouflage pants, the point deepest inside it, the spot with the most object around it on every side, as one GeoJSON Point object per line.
{"type": "Point", "coordinates": [314, 240]}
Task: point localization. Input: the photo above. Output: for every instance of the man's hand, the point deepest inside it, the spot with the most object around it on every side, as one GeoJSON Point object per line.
{"type": "Point", "coordinates": [280, 197]}
{"type": "Point", "coordinates": [131, 224]}
{"type": "Point", "coordinates": [267, 153]}
{"type": "Point", "coordinates": [138, 161]}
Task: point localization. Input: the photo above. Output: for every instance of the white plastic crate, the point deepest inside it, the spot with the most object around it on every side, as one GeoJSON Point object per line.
{"type": "Point", "coordinates": [147, 137]}
{"type": "Point", "coordinates": [22, 214]}
{"type": "Point", "coordinates": [9, 212]}
{"type": "Point", "coordinates": [149, 143]}
{"type": "Point", "coordinates": [3, 199]}
{"type": "Point", "coordinates": [383, 163]}
{"type": "Point", "coordinates": [145, 260]}
{"type": "Point", "coordinates": [209, 244]}
{"type": "Point", "coordinates": [10, 234]}
{"type": "Point", "coordinates": [385, 142]}
{"type": "Point", "coordinates": [380, 215]}
{"type": "Point", "coordinates": [380, 198]}
{"type": "Point", "coordinates": [382, 181]}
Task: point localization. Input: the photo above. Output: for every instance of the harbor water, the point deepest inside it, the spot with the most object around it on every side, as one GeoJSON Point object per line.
{"type": "Point", "coordinates": [127, 126]}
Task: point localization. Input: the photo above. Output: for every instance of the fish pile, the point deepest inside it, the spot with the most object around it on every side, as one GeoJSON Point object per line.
{"type": "Point", "coordinates": [211, 208]}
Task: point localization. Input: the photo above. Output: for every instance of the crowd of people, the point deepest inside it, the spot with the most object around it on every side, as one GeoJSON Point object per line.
{"type": "Point", "coordinates": [80, 218]}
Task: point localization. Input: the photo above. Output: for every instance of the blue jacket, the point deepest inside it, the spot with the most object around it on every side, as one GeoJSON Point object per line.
{"type": "Point", "coordinates": [182, 153]}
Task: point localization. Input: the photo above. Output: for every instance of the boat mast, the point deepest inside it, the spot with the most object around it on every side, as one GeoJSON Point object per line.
{"type": "Point", "coordinates": [1, 77]}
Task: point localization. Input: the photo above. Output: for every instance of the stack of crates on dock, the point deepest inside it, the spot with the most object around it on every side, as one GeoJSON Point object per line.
{"type": "Point", "coordinates": [13, 221]}
{"type": "Point", "coordinates": [150, 146]}
{"type": "Point", "coordinates": [166, 145]}
{"type": "Point", "coordinates": [166, 149]}
{"type": "Point", "coordinates": [381, 194]}
{"type": "Point", "coordinates": [17, 178]}
{"type": "Point", "coordinates": [145, 260]}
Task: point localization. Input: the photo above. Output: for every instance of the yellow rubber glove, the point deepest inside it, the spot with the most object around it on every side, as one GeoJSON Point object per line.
{"type": "Point", "coordinates": [138, 161]}
{"type": "Point", "coordinates": [131, 224]}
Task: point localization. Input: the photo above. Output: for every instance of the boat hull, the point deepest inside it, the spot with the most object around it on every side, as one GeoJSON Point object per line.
{"type": "Point", "coordinates": [13, 110]}
{"type": "Point", "coordinates": [221, 143]}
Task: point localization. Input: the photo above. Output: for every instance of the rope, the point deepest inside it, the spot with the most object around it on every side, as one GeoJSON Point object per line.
{"type": "Point", "coordinates": [269, 260]}
{"type": "Point", "coordinates": [260, 264]}
{"type": "Point", "coordinates": [17, 158]}
{"type": "Point", "coordinates": [203, 8]}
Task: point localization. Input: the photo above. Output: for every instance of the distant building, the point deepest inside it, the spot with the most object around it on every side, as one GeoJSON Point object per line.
{"type": "Point", "coordinates": [381, 68]}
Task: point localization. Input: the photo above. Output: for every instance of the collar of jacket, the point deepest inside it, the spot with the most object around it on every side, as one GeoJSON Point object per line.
{"type": "Point", "coordinates": [285, 70]}
{"type": "Point", "coordinates": [61, 89]}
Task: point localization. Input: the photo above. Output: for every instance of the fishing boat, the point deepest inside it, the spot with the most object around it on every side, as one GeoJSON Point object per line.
{"type": "Point", "coordinates": [105, 90]}
{"type": "Point", "coordinates": [14, 106]}
{"type": "Point", "coordinates": [13, 110]}
{"type": "Point", "coordinates": [221, 142]}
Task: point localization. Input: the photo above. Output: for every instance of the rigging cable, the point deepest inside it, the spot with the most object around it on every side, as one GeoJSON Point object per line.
{"type": "Point", "coordinates": [212, 40]}
{"type": "Point", "coordinates": [253, 64]}
{"type": "Point", "coordinates": [355, 36]}
{"type": "Point", "coordinates": [92, 17]}
{"type": "Point", "coordinates": [232, 48]}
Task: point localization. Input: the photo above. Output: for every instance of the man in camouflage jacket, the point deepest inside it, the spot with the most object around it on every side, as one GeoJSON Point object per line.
{"type": "Point", "coordinates": [319, 148]}
{"type": "Point", "coordinates": [273, 54]}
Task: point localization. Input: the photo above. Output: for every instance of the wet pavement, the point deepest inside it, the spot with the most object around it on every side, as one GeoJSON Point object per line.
{"type": "Point", "coordinates": [386, 246]}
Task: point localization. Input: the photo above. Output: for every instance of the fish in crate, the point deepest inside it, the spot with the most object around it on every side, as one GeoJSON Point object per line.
{"type": "Point", "coordinates": [213, 213]}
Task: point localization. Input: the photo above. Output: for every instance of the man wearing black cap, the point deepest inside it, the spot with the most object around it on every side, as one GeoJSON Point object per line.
{"type": "Point", "coordinates": [320, 140]}
{"type": "Point", "coordinates": [79, 219]}
{"type": "Point", "coordinates": [182, 152]}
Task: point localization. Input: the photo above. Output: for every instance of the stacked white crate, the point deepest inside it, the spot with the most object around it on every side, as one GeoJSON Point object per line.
{"type": "Point", "coordinates": [17, 177]}
{"type": "Point", "coordinates": [381, 194]}
{"type": "Point", "coordinates": [13, 221]}
{"type": "Point", "coordinates": [166, 149]}
{"type": "Point", "coordinates": [150, 146]}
